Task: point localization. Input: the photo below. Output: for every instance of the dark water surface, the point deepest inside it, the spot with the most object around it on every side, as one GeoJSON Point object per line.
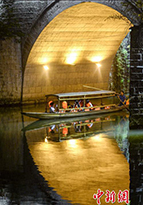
{"type": "Point", "coordinates": [67, 162]}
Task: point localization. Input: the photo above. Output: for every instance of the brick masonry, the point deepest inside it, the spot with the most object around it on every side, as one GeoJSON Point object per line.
{"type": "Point", "coordinates": [33, 16]}
{"type": "Point", "coordinates": [136, 77]}
{"type": "Point", "coordinates": [10, 72]}
{"type": "Point", "coordinates": [136, 167]}
{"type": "Point", "coordinates": [76, 32]}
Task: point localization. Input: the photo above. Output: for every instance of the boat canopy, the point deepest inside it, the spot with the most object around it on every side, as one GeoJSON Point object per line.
{"type": "Point", "coordinates": [83, 95]}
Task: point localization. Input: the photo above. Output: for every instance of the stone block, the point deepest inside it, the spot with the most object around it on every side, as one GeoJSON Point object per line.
{"type": "Point", "coordinates": [38, 89]}
{"type": "Point", "coordinates": [32, 90]}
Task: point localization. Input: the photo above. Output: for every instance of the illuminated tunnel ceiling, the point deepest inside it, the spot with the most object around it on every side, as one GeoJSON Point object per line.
{"type": "Point", "coordinates": [78, 34]}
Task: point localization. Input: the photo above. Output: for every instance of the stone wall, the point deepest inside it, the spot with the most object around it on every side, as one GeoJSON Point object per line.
{"type": "Point", "coordinates": [136, 76]}
{"type": "Point", "coordinates": [62, 78]}
{"type": "Point", "coordinates": [10, 71]}
{"type": "Point", "coordinates": [33, 16]}
{"type": "Point", "coordinates": [54, 7]}
{"type": "Point", "coordinates": [71, 45]}
{"type": "Point", "coordinates": [136, 167]}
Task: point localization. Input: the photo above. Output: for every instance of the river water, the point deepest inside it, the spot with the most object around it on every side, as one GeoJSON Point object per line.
{"type": "Point", "coordinates": [67, 162]}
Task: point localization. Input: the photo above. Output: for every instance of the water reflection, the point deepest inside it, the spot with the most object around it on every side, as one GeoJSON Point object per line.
{"type": "Point", "coordinates": [74, 157]}
{"type": "Point", "coordinates": [77, 157]}
{"type": "Point", "coordinates": [19, 180]}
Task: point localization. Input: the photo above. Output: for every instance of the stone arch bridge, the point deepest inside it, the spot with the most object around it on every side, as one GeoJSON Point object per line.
{"type": "Point", "coordinates": [40, 19]}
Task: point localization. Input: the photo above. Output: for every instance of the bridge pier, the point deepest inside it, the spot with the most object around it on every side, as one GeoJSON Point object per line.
{"type": "Point", "coordinates": [136, 78]}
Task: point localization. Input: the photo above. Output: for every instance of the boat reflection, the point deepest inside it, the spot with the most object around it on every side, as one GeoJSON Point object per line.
{"type": "Point", "coordinates": [79, 129]}
{"type": "Point", "coordinates": [80, 156]}
{"type": "Point", "coordinates": [115, 126]}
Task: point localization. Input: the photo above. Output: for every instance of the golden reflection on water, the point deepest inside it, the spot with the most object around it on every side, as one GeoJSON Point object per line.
{"type": "Point", "coordinates": [77, 168]}
{"type": "Point", "coordinates": [72, 144]}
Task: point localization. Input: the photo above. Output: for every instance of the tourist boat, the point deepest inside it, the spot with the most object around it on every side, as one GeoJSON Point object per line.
{"type": "Point", "coordinates": [78, 112]}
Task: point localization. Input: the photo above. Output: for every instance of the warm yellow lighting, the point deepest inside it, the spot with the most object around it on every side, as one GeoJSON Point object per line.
{"type": "Point", "coordinates": [98, 65]}
{"type": "Point", "coordinates": [46, 67]}
{"type": "Point", "coordinates": [71, 58]}
{"type": "Point", "coordinates": [97, 137]}
{"type": "Point", "coordinates": [46, 139]}
{"type": "Point", "coordinates": [43, 60]}
{"type": "Point", "coordinates": [96, 59]}
{"type": "Point", "coordinates": [72, 143]}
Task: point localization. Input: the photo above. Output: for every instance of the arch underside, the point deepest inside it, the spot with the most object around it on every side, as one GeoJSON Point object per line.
{"type": "Point", "coordinates": [71, 45]}
{"type": "Point", "coordinates": [55, 7]}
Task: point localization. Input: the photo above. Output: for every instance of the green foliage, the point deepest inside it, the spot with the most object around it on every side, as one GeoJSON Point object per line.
{"type": "Point", "coordinates": [119, 75]}
{"type": "Point", "coordinates": [9, 25]}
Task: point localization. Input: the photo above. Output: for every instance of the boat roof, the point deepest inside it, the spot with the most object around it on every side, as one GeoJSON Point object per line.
{"type": "Point", "coordinates": [87, 93]}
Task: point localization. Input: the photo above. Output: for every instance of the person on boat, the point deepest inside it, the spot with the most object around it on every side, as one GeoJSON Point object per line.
{"type": "Point", "coordinates": [122, 99]}
{"type": "Point", "coordinates": [89, 104]}
{"type": "Point", "coordinates": [50, 103]}
{"type": "Point", "coordinates": [70, 106]}
{"type": "Point", "coordinates": [81, 104]}
{"type": "Point", "coordinates": [76, 105]}
{"type": "Point", "coordinates": [64, 104]}
{"type": "Point", "coordinates": [52, 109]}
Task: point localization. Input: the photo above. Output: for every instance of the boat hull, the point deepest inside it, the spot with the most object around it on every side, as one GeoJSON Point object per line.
{"type": "Point", "coordinates": [48, 116]}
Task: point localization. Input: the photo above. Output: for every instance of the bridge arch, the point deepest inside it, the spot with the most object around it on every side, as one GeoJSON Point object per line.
{"type": "Point", "coordinates": [55, 7]}
{"type": "Point", "coordinates": [71, 45]}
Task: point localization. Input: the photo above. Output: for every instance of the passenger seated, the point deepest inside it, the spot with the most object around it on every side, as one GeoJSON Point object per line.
{"type": "Point", "coordinates": [76, 105]}
{"type": "Point", "coordinates": [64, 104]}
{"type": "Point", "coordinates": [52, 109]}
{"type": "Point", "coordinates": [50, 103]}
{"type": "Point", "coordinates": [89, 104]}
{"type": "Point", "coordinates": [81, 105]}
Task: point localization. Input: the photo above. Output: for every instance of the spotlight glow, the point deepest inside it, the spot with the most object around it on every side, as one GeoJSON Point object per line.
{"type": "Point", "coordinates": [96, 59]}
{"type": "Point", "coordinates": [98, 65]}
{"type": "Point", "coordinates": [46, 67]}
{"type": "Point", "coordinates": [71, 58]}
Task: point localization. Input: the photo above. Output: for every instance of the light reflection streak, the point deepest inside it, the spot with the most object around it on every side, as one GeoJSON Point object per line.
{"type": "Point", "coordinates": [46, 139]}
{"type": "Point", "coordinates": [72, 143]}
{"type": "Point", "coordinates": [97, 137]}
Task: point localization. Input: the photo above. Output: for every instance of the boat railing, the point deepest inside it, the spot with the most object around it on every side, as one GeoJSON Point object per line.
{"type": "Point", "coordinates": [83, 108]}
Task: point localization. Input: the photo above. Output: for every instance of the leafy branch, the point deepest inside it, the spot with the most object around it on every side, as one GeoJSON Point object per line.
{"type": "Point", "coordinates": [119, 75]}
